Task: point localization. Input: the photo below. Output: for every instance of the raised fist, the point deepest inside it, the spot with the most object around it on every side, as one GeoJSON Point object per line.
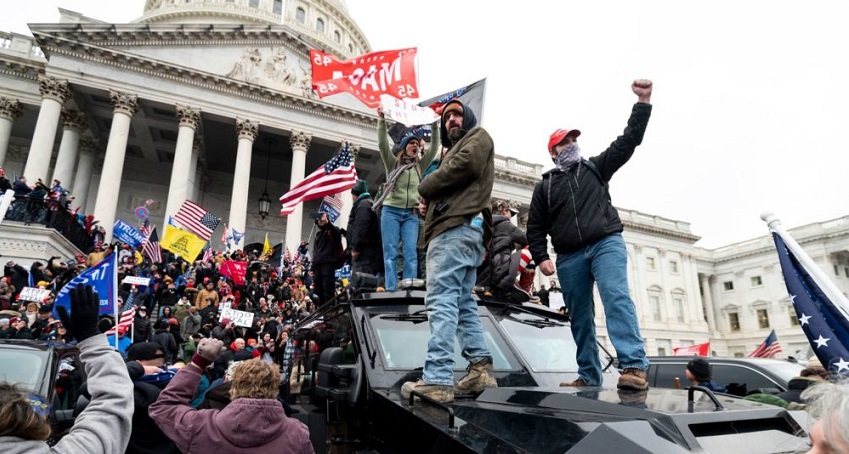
{"type": "Point", "coordinates": [642, 88]}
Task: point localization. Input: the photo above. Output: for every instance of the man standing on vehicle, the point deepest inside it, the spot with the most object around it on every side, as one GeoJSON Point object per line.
{"type": "Point", "coordinates": [327, 256]}
{"type": "Point", "coordinates": [458, 224]}
{"type": "Point", "coordinates": [572, 205]}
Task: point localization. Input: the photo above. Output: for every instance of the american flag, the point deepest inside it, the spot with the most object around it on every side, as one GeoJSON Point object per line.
{"type": "Point", "coordinates": [208, 253]}
{"type": "Point", "coordinates": [336, 176]}
{"type": "Point", "coordinates": [150, 247]}
{"type": "Point", "coordinates": [820, 306]}
{"type": "Point", "coordinates": [768, 348]}
{"type": "Point", "coordinates": [197, 219]}
{"type": "Point", "coordinates": [126, 321]}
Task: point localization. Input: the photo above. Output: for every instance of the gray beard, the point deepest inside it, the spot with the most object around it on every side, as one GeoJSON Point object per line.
{"type": "Point", "coordinates": [455, 134]}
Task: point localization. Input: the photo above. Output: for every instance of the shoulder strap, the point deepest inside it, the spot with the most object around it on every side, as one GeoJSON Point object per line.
{"type": "Point", "coordinates": [594, 169]}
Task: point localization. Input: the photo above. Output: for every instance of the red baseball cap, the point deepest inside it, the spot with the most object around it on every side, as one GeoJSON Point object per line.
{"type": "Point", "coordinates": [560, 135]}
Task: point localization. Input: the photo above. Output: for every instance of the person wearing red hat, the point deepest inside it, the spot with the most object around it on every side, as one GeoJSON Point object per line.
{"type": "Point", "coordinates": [572, 205]}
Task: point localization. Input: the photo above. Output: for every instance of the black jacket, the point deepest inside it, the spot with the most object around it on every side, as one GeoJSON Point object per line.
{"type": "Point", "coordinates": [364, 232]}
{"type": "Point", "coordinates": [327, 248]}
{"type": "Point", "coordinates": [574, 206]}
{"type": "Point", "coordinates": [501, 265]}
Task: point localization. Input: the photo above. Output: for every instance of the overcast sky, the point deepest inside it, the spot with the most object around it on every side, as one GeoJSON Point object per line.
{"type": "Point", "coordinates": [750, 104]}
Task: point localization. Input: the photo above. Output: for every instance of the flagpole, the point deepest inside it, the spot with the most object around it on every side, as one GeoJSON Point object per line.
{"type": "Point", "coordinates": [115, 295]}
{"type": "Point", "coordinates": [827, 286]}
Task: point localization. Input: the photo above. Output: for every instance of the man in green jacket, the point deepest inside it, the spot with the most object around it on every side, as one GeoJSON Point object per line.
{"type": "Point", "coordinates": [457, 226]}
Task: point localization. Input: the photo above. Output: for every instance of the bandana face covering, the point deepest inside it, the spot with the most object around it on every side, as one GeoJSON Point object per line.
{"type": "Point", "coordinates": [568, 157]}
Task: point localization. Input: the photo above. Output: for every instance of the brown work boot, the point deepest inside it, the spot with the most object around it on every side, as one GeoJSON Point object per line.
{"type": "Point", "coordinates": [632, 378]}
{"type": "Point", "coordinates": [477, 378]}
{"type": "Point", "coordinates": [439, 393]}
{"type": "Point", "coordinates": [578, 383]}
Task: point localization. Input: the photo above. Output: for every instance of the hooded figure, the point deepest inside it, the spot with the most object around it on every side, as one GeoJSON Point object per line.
{"type": "Point", "coordinates": [364, 240]}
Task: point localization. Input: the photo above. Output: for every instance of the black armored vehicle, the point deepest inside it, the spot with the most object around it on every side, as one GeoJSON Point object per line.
{"type": "Point", "coordinates": [356, 352]}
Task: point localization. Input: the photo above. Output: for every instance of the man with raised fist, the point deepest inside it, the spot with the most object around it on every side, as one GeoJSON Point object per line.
{"type": "Point", "coordinates": [572, 205]}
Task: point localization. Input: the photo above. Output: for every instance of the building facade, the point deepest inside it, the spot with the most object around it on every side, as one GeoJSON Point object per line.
{"type": "Point", "coordinates": [211, 101]}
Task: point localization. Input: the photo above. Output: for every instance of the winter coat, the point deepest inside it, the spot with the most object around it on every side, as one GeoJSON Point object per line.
{"type": "Point", "coordinates": [104, 426]}
{"type": "Point", "coordinates": [794, 389]}
{"type": "Point", "coordinates": [574, 206]}
{"type": "Point", "coordinates": [245, 426]}
{"type": "Point", "coordinates": [502, 264]}
{"type": "Point", "coordinates": [405, 193]}
{"type": "Point", "coordinates": [141, 329]}
{"type": "Point", "coordinates": [191, 324]}
{"type": "Point", "coordinates": [166, 340]}
{"type": "Point", "coordinates": [327, 248]}
{"type": "Point", "coordinates": [364, 233]}
{"type": "Point", "coordinates": [462, 185]}
{"type": "Point", "coordinates": [146, 436]}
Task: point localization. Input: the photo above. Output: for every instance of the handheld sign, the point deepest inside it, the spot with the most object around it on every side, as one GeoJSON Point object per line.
{"type": "Point", "coordinates": [34, 294]}
{"type": "Point", "coordinates": [239, 318]}
{"type": "Point", "coordinates": [136, 280]}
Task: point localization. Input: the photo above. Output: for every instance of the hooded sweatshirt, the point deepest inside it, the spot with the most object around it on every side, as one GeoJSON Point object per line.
{"type": "Point", "coordinates": [104, 426]}
{"type": "Point", "coordinates": [461, 187]}
{"type": "Point", "coordinates": [245, 426]}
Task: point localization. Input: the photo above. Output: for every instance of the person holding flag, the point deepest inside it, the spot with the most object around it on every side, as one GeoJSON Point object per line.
{"type": "Point", "coordinates": [398, 204]}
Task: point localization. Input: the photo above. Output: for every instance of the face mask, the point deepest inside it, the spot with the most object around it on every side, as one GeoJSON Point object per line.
{"type": "Point", "coordinates": [568, 156]}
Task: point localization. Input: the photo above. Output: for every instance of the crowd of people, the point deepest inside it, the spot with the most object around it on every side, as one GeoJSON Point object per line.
{"type": "Point", "coordinates": [199, 380]}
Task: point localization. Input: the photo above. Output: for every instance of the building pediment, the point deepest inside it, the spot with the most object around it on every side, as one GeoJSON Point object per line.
{"type": "Point", "coordinates": [260, 62]}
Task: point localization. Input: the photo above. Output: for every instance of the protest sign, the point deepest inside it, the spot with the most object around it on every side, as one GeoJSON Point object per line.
{"type": "Point", "coordinates": [34, 294]}
{"type": "Point", "coordinates": [135, 280]}
{"type": "Point", "coordinates": [406, 112]}
{"type": "Point", "coordinates": [239, 318]}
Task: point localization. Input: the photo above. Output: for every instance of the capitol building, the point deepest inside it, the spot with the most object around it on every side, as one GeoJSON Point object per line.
{"type": "Point", "coordinates": [211, 101]}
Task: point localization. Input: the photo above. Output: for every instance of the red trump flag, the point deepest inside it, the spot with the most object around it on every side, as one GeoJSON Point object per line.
{"type": "Point", "coordinates": [692, 350]}
{"type": "Point", "coordinates": [368, 76]}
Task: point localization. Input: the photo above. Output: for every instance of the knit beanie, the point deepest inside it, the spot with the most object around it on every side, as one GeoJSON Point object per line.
{"type": "Point", "coordinates": [700, 368]}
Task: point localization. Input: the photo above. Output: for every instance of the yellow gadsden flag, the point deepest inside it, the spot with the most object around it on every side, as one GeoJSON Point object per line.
{"type": "Point", "coordinates": [266, 246]}
{"type": "Point", "coordinates": [185, 244]}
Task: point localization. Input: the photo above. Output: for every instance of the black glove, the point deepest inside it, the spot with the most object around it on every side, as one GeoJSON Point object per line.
{"type": "Point", "coordinates": [85, 308]}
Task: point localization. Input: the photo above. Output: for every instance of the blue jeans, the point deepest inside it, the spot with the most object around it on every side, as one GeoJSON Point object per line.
{"type": "Point", "coordinates": [606, 263]}
{"type": "Point", "coordinates": [399, 226]}
{"type": "Point", "coordinates": [452, 261]}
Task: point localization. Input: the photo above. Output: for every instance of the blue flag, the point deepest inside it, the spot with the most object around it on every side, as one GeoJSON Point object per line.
{"type": "Point", "coordinates": [101, 277]}
{"type": "Point", "coordinates": [825, 325]}
{"type": "Point", "coordinates": [128, 234]}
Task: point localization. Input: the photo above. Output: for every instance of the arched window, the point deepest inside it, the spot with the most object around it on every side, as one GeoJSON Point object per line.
{"type": "Point", "coordinates": [351, 48]}
{"type": "Point", "coordinates": [337, 36]}
{"type": "Point", "coordinates": [300, 15]}
{"type": "Point", "coordinates": [319, 25]}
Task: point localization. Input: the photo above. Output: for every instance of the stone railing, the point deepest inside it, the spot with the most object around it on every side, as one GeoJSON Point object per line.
{"type": "Point", "coordinates": [48, 213]}
{"type": "Point", "coordinates": [513, 164]}
{"type": "Point", "coordinates": [21, 45]}
{"type": "Point", "coordinates": [261, 13]}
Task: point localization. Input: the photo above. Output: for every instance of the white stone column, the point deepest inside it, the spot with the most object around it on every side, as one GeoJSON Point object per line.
{"type": "Point", "coordinates": [74, 123]}
{"type": "Point", "coordinates": [300, 142]}
{"type": "Point", "coordinates": [178, 189]}
{"type": "Point", "coordinates": [82, 180]}
{"type": "Point", "coordinates": [708, 302]}
{"type": "Point", "coordinates": [54, 93]}
{"type": "Point", "coordinates": [248, 131]}
{"type": "Point", "coordinates": [124, 106]}
{"type": "Point", "coordinates": [10, 110]}
{"type": "Point", "coordinates": [193, 170]}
